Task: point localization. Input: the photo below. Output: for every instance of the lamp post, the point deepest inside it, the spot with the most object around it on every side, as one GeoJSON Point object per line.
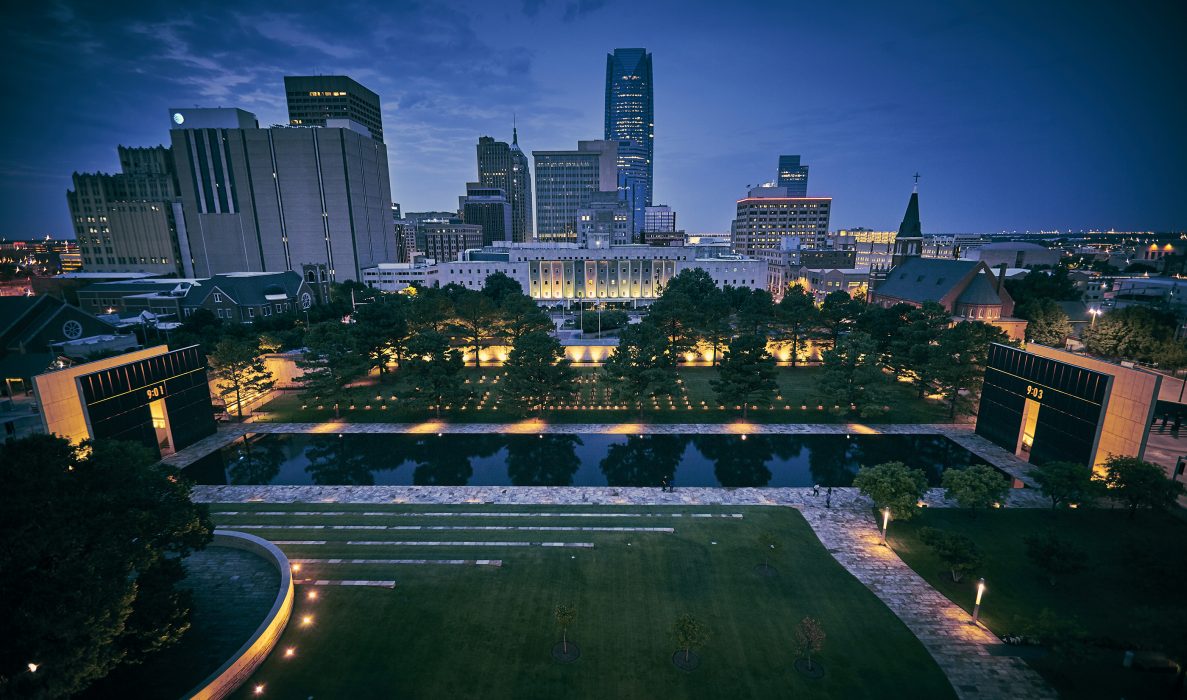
{"type": "Point", "coordinates": [1095, 313]}
{"type": "Point", "coordinates": [977, 604]}
{"type": "Point", "coordinates": [885, 524]}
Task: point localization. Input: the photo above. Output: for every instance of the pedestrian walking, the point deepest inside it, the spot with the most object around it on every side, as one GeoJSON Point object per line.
{"type": "Point", "coordinates": [816, 490]}
{"type": "Point", "coordinates": [828, 498]}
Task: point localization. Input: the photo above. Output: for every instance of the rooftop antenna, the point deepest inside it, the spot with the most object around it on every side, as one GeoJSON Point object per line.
{"type": "Point", "coordinates": [514, 131]}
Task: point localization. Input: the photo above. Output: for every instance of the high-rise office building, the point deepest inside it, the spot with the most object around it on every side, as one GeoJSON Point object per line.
{"type": "Point", "coordinates": [659, 219]}
{"type": "Point", "coordinates": [793, 176]}
{"type": "Point", "coordinates": [767, 214]}
{"type": "Point", "coordinates": [313, 99]}
{"type": "Point", "coordinates": [630, 118]}
{"type": "Point", "coordinates": [445, 241]}
{"type": "Point", "coordinates": [566, 182]}
{"type": "Point", "coordinates": [487, 207]}
{"type": "Point", "coordinates": [505, 166]}
{"type": "Point", "coordinates": [315, 200]}
{"type": "Point", "coordinates": [128, 222]}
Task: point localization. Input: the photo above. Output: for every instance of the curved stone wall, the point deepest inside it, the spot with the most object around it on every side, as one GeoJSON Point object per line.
{"type": "Point", "coordinates": [239, 667]}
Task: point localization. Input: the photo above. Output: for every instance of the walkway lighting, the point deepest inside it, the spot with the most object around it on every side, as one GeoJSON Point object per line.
{"type": "Point", "coordinates": [259, 689]}
{"type": "Point", "coordinates": [33, 667]}
{"type": "Point", "coordinates": [885, 524]}
{"type": "Point", "coordinates": [977, 605]}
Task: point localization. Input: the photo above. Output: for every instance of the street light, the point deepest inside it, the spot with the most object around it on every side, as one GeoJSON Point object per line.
{"type": "Point", "coordinates": [1095, 313]}
{"type": "Point", "coordinates": [977, 605]}
{"type": "Point", "coordinates": [885, 524]}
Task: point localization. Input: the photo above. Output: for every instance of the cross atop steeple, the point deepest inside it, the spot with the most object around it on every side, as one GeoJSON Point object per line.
{"type": "Point", "coordinates": [916, 181]}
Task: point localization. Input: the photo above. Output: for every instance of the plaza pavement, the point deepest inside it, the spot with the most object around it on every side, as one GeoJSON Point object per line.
{"type": "Point", "coordinates": [846, 527]}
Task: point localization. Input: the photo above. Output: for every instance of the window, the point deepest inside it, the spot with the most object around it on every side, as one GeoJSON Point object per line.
{"type": "Point", "coordinates": [218, 298]}
{"type": "Point", "coordinates": [251, 312]}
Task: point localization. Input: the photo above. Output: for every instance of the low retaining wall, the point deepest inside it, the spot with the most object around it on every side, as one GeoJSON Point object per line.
{"type": "Point", "coordinates": [239, 667]}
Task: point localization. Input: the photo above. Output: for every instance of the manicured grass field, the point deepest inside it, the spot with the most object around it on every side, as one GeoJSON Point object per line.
{"type": "Point", "coordinates": [1130, 588]}
{"type": "Point", "coordinates": [694, 402]}
{"type": "Point", "coordinates": [468, 631]}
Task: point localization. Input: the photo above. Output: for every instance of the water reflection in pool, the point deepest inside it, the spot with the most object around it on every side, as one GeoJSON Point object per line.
{"type": "Point", "coordinates": [570, 460]}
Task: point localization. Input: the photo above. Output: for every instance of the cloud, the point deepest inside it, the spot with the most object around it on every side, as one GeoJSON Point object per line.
{"type": "Point", "coordinates": [579, 8]}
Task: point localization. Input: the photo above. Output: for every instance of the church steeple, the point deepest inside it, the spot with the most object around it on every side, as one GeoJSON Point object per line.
{"type": "Point", "coordinates": [909, 241]}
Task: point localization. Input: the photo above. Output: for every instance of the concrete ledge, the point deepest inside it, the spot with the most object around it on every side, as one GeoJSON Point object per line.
{"type": "Point", "coordinates": [236, 670]}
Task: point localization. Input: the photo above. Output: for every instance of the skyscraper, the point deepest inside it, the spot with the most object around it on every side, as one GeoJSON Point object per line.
{"type": "Point", "coordinates": [630, 117]}
{"type": "Point", "coordinates": [487, 207]}
{"type": "Point", "coordinates": [566, 182]}
{"type": "Point", "coordinates": [505, 167]}
{"type": "Point", "coordinates": [793, 176]}
{"type": "Point", "coordinates": [312, 99]}
{"type": "Point", "coordinates": [127, 222]}
{"type": "Point", "coordinates": [261, 200]}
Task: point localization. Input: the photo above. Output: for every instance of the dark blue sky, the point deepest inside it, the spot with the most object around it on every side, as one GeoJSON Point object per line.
{"type": "Point", "coordinates": [1018, 114]}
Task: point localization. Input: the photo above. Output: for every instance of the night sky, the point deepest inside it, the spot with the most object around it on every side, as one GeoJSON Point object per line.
{"type": "Point", "coordinates": [1018, 114]}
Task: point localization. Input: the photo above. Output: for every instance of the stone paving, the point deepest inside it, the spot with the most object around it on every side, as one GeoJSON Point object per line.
{"type": "Point", "coordinates": [961, 649]}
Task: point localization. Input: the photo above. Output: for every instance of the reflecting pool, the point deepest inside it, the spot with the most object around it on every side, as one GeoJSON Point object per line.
{"type": "Point", "coordinates": [570, 460]}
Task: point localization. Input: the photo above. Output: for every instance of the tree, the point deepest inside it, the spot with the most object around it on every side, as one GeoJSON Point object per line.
{"type": "Point", "coordinates": [959, 553]}
{"type": "Point", "coordinates": [500, 287]}
{"type": "Point", "coordinates": [957, 360]}
{"type": "Point", "coordinates": [382, 330]}
{"type": "Point", "coordinates": [474, 320]}
{"type": "Point", "coordinates": [1130, 333]}
{"type": "Point", "coordinates": [797, 318]}
{"type": "Point", "coordinates": [852, 377]}
{"type": "Point", "coordinates": [909, 351]}
{"type": "Point", "coordinates": [809, 639]}
{"type": "Point", "coordinates": [1140, 484]}
{"type": "Point", "coordinates": [331, 362]}
{"type": "Point", "coordinates": [892, 485]}
{"type": "Point", "coordinates": [677, 312]}
{"type": "Point", "coordinates": [714, 323]}
{"type": "Point", "coordinates": [753, 309]}
{"type": "Point", "coordinates": [1043, 284]}
{"type": "Point", "coordinates": [1054, 555]}
{"type": "Point", "coordinates": [95, 539]}
{"type": "Point", "coordinates": [435, 370]}
{"type": "Point", "coordinates": [604, 320]}
{"type": "Point", "coordinates": [1066, 482]}
{"type": "Point", "coordinates": [747, 374]}
{"type": "Point", "coordinates": [519, 315]}
{"type": "Point", "coordinates": [884, 325]}
{"type": "Point", "coordinates": [238, 367]}
{"type": "Point", "coordinates": [1047, 324]}
{"type": "Point", "coordinates": [538, 373]}
{"type": "Point", "coordinates": [689, 633]}
{"type": "Point", "coordinates": [565, 616]}
{"type": "Point", "coordinates": [837, 311]}
{"type": "Point", "coordinates": [976, 487]}
{"type": "Point", "coordinates": [767, 543]}
{"type": "Point", "coordinates": [640, 366]}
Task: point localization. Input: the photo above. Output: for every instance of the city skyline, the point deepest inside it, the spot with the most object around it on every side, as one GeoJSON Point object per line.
{"type": "Point", "coordinates": [1013, 114]}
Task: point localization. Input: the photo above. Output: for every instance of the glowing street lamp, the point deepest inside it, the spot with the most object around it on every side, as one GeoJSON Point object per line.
{"type": "Point", "coordinates": [1095, 313]}
{"type": "Point", "coordinates": [977, 605]}
{"type": "Point", "coordinates": [885, 524]}
{"type": "Point", "coordinates": [32, 667]}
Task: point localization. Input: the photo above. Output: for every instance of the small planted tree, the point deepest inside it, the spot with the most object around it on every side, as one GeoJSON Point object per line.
{"type": "Point", "coordinates": [747, 373]}
{"type": "Point", "coordinates": [809, 640]}
{"type": "Point", "coordinates": [689, 633]}
{"type": "Point", "coordinates": [1140, 484]}
{"type": "Point", "coordinates": [959, 553]}
{"type": "Point", "coordinates": [565, 616]}
{"type": "Point", "coordinates": [1066, 482]}
{"type": "Point", "coordinates": [1054, 555]}
{"type": "Point", "coordinates": [892, 485]}
{"type": "Point", "coordinates": [538, 373]}
{"type": "Point", "coordinates": [238, 367]}
{"type": "Point", "coordinates": [977, 487]}
{"type": "Point", "coordinates": [768, 543]}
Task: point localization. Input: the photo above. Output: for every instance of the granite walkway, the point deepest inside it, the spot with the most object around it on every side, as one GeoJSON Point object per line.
{"type": "Point", "coordinates": [962, 650]}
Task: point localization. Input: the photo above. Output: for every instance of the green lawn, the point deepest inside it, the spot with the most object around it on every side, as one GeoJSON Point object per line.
{"type": "Point", "coordinates": [693, 402]}
{"type": "Point", "coordinates": [1131, 586]}
{"type": "Point", "coordinates": [449, 631]}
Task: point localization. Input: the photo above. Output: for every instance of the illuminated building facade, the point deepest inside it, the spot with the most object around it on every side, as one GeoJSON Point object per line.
{"type": "Point", "coordinates": [313, 99]}
{"type": "Point", "coordinates": [444, 242]}
{"type": "Point", "coordinates": [768, 213]}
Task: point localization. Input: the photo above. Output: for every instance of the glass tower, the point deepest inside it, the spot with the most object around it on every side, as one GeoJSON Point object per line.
{"type": "Point", "coordinates": [630, 118]}
{"type": "Point", "coordinates": [793, 176]}
{"type": "Point", "coordinates": [505, 166]}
